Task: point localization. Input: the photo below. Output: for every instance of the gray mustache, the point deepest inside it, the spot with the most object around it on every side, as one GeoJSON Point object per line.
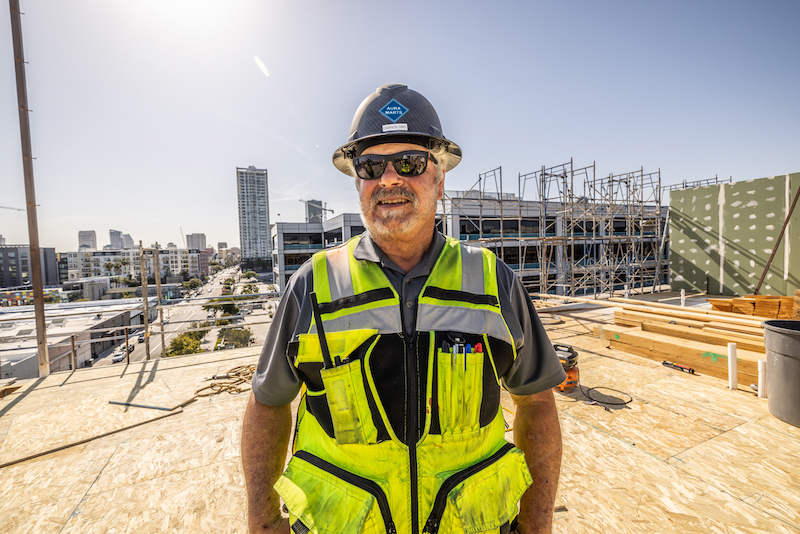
{"type": "Point", "coordinates": [395, 194]}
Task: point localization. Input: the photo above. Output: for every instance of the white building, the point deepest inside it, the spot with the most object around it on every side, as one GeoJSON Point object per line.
{"type": "Point", "coordinates": [115, 237]}
{"type": "Point", "coordinates": [254, 227]}
{"type": "Point", "coordinates": [125, 263]}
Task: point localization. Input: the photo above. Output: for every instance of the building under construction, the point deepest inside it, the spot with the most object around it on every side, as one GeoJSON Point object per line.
{"type": "Point", "coordinates": [566, 231]}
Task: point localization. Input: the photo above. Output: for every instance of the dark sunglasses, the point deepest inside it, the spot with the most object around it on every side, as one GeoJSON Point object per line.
{"type": "Point", "coordinates": [406, 164]}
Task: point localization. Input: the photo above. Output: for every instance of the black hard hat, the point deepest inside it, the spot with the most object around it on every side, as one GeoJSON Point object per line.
{"type": "Point", "coordinates": [396, 114]}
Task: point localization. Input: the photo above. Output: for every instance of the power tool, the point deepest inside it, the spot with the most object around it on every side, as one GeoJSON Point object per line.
{"type": "Point", "coordinates": [568, 357]}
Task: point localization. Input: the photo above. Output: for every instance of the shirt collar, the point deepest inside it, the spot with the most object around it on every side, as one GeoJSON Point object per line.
{"type": "Point", "coordinates": [366, 249]}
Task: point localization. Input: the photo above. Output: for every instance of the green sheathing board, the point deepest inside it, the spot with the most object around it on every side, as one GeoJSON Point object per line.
{"type": "Point", "coordinates": [721, 237]}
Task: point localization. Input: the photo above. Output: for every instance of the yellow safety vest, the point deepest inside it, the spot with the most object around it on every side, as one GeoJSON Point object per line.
{"type": "Point", "coordinates": [404, 435]}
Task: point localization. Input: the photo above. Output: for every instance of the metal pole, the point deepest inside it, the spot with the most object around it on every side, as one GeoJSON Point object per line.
{"type": "Point", "coordinates": [157, 261]}
{"type": "Point", "coordinates": [30, 192]}
{"type": "Point", "coordinates": [127, 351]}
{"type": "Point", "coordinates": [145, 312]}
{"type": "Point", "coordinates": [74, 357]}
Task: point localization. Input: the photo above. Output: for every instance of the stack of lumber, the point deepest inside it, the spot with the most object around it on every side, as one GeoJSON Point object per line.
{"type": "Point", "coordinates": [694, 338]}
{"type": "Point", "coordinates": [769, 306]}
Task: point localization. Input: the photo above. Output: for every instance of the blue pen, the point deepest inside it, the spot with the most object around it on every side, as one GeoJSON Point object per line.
{"type": "Point", "coordinates": [467, 350]}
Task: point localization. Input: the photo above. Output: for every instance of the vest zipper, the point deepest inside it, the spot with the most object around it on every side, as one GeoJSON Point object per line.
{"type": "Point", "coordinates": [356, 480]}
{"type": "Point", "coordinates": [439, 503]}
{"type": "Point", "coordinates": [411, 438]}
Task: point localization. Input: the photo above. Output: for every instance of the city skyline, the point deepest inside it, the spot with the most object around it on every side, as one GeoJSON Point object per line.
{"type": "Point", "coordinates": [137, 120]}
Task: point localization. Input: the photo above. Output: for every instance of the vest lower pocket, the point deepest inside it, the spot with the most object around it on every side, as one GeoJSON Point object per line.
{"type": "Point", "coordinates": [327, 499]}
{"type": "Point", "coordinates": [460, 391]}
{"type": "Point", "coordinates": [483, 497]}
{"type": "Point", "coordinates": [347, 402]}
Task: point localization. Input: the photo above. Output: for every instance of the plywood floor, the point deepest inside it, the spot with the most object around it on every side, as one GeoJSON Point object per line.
{"type": "Point", "coordinates": [685, 455]}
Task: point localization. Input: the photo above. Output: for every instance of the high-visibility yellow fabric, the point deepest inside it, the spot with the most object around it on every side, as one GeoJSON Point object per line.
{"type": "Point", "coordinates": [324, 485]}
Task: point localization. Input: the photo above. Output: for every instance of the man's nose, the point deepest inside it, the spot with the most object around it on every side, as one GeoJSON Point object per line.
{"type": "Point", "coordinates": [390, 177]}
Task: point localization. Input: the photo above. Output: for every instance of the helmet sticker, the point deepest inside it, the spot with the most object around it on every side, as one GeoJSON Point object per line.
{"type": "Point", "coordinates": [400, 127]}
{"type": "Point", "coordinates": [393, 110]}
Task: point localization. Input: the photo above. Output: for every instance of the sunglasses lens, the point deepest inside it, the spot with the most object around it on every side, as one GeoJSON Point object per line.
{"type": "Point", "coordinates": [406, 164]}
{"type": "Point", "coordinates": [369, 167]}
{"type": "Point", "coordinates": [410, 164]}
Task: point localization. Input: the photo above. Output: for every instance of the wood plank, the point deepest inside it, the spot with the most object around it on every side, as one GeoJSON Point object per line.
{"type": "Point", "coordinates": [735, 335]}
{"type": "Point", "coordinates": [752, 330]}
{"type": "Point", "coordinates": [699, 315]}
{"type": "Point", "coordinates": [639, 317]}
{"type": "Point", "coordinates": [745, 306]}
{"type": "Point", "coordinates": [796, 312]}
{"type": "Point", "coordinates": [672, 307]}
{"type": "Point", "coordinates": [703, 357]}
{"type": "Point", "coordinates": [704, 336]}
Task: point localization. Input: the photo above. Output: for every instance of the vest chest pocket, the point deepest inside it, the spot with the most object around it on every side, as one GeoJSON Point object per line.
{"type": "Point", "coordinates": [344, 384]}
{"type": "Point", "coordinates": [326, 499]}
{"type": "Point", "coordinates": [460, 390]}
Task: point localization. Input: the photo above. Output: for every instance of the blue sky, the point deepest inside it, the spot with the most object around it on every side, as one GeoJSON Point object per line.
{"type": "Point", "coordinates": [143, 110]}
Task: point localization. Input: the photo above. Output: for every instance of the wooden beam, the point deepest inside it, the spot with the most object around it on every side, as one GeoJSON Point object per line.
{"type": "Point", "coordinates": [678, 308]}
{"type": "Point", "coordinates": [642, 317]}
{"type": "Point", "coordinates": [751, 330]}
{"type": "Point", "coordinates": [704, 336]}
{"type": "Point", "coordinates": [703, 357]}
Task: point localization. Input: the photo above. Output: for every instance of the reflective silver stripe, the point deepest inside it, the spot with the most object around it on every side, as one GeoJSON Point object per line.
{"type": "Point", "coordinates": [457, 319]}
{"type": "Point", "coordinates": [386, 319]}
{"type": "Point", "coordinates": [472, 270]}
{"type": "Point", "coordinates": [339, 280]}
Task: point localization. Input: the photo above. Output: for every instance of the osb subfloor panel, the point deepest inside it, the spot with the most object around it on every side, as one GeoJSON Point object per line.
{"type": "Point", "coordinates": [684, 455]}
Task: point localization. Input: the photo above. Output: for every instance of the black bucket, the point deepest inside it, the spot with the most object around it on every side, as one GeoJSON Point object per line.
{"type": "Point", "coordinates": [782, 342]}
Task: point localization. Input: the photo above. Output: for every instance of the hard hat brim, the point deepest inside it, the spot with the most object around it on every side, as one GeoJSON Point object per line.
{"type": "Point", "coordinates": [443, 150]}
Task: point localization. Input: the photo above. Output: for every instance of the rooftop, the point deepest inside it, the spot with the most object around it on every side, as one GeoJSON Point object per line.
{"type": "Point", "coordinates": [685, 455]}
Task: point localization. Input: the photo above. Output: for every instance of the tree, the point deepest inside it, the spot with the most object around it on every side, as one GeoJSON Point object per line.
{"type": "Point", "coordinates": [215, 269]}
{"type": "Point", "coordinates": [250, 274]}
{"type": "Point", "coordinates": [227, 308]}
{"type": "Point", "coordinates": [238, 337]}
{"type": "Point", "coordinates": [249, 288]}
{"type": "Point", "coordinates": [108, 266]}
{"type": "Point", "coordinates": [185, 343]}
{"type": "Point", "coordinates": [194, 283]}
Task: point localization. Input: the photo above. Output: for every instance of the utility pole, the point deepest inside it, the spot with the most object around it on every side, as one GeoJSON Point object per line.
{"type": "Point", "coordinates": [30, 193]}
{"type": "Point", "coordinates": [145, 312]}
{"type": "Point", "coordinates": [157, 261]}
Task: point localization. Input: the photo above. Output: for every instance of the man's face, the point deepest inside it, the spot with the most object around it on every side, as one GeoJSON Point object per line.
{"type": "Point", "coordinates": [394, 206]}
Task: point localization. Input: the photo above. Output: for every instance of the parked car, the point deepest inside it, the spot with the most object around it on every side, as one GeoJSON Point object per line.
{"type": "Point", "coordinates": [118, 357]}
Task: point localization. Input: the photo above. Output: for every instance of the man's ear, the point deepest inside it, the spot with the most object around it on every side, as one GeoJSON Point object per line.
{"type": "Point", "coordinates": [440, 193]}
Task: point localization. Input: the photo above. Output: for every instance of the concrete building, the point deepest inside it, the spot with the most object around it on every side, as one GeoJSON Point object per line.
{"type": "Point", "coordinates": [15, 268]}
{"type": "Point", "coordinates": [87, 239]}
{"type": "Point", "coordinates": [723, 234]}
{"type": "Point", "coordinates": [221, 245]}
{"type": "Point", "coordinates": [2, 240]}
{"type": "Point", "coordinates": [294, 243]}
{"type": "Point", "coordinates": [196, 241]}
{"type": "Point", "coordinates": [254, 226]}
{"type": "Point", "coordinates": [125, 263]}
{"type": "Point", "coordinates": [551, 246]}
{"type": "Point", "coordinates": [115, 240]}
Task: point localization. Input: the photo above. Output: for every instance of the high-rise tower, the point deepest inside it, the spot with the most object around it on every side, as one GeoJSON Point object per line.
{"type": "Point", "coordinates": [254, 230]}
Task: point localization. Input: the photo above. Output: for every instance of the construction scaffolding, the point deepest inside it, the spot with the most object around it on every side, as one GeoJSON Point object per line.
{"type": "Point", "coordinates": [566, 231]}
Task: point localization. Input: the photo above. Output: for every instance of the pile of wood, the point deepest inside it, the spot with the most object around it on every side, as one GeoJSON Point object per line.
{"type": "Point", "coordinates": [770, 306]}
{"type": "Point", "coordinates": [697, 338]}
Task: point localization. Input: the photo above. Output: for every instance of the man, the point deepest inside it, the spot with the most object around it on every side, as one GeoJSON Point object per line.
{"type": "Point", "coordinates": [400, 340]}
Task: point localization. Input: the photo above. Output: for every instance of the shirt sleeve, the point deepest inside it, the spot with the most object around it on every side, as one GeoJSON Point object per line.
{"type": "Point", "coordinates": [537, 368]}
{"type": "Point", "coordinates": [275, 381]}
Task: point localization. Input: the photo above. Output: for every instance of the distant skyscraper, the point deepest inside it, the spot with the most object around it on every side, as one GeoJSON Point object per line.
{"type": "Point", "coordinates": [2, 240]}
{"type": "Point", "coordinates": [314, 213]}
{"type": "Point", "coordinates": [221, 245]}
{"type": "Point", "coordinates": [116, 239]}
{"type": "Point", "coordinates": [254, 233]}
{"type": "Point", "coordinates": [87, 239]}
{"type": "Point", "coordinates": [196, 241]}
{"type": "Point", "coordinates": [127, 241]}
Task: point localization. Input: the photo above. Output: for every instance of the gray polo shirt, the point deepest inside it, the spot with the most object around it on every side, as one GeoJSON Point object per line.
{"type": "Point", "coordinates": [536, 368]}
